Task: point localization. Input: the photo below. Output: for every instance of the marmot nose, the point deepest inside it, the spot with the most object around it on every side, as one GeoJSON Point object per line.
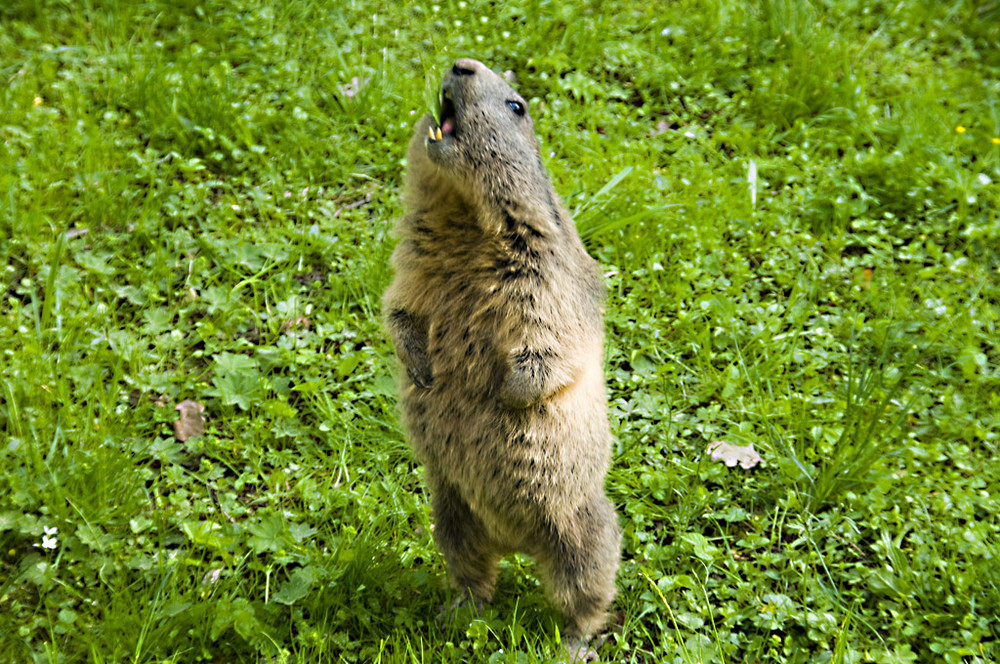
{"type": "Point", "coordinates": [465, 67]}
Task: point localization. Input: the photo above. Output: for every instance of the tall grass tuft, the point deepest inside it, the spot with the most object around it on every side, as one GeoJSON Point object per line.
{"type": "Point", "coordinates": [852, 451]}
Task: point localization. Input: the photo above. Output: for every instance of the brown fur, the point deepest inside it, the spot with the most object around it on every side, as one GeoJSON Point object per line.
{"type": "Point", "coordinates": [496, 314]}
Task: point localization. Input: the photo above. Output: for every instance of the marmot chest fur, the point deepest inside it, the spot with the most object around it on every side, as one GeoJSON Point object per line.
{"type": "Point", "coordinates": [496, 315]}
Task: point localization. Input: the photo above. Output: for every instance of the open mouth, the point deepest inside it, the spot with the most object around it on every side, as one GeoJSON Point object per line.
{"type": "Point", "coordinates": [446, 116]}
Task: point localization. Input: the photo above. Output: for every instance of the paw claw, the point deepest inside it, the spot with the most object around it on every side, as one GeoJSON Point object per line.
{"type": "Point", "coordinates": [579, 651]}
{"type": "Point", "coordinates": [448, 611]}
{"type": "Point", "coordinates": [420, 377]}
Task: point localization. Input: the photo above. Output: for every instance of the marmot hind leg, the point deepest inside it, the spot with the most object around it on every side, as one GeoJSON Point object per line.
{"type": "Point", "coordinates": [471, 555]}
{"type": "Point", "coordinates": [579, 571]}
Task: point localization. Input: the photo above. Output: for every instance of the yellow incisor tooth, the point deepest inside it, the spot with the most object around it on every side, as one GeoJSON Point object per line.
{"type": "Point", "coordinates": [430, 133]}
{"type": "Point", "coordinates": [438, 136]}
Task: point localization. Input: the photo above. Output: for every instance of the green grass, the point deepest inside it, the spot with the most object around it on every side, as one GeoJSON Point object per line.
{"type": "Point", "coordinates": [195, 203]}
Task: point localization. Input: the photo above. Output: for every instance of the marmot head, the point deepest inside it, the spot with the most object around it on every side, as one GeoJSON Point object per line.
{"type": "Point", "coordinates": [484, 149]}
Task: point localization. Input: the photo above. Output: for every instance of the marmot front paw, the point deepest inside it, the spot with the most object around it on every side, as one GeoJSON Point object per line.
{"type": "Point", "coordinates": [514, 396]}
{"type": "Point", "coordinates": [421, 376]}
{"type": "Point", "coordinates": [525, 380]}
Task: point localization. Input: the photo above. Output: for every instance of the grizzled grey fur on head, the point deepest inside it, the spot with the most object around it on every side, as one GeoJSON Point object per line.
{"type": "Point", "coordinates": [496, 312]}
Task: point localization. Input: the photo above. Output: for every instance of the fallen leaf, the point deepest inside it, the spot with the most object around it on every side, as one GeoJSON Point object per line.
{"type": "Point", "coordinates": [731, 455]}
{"type": "Point", "coordinates": [354, 87]}
{"type": "Point", "coordinates": [661, 128]}
{"type": "Point", "coordinates": [293, 324]}
{"type": "Point", "coordinates": [866, 279]}
{"type": "Point", "coordinates": [191, 423]}
{"type": "Point", "coordinates": [356, 204]}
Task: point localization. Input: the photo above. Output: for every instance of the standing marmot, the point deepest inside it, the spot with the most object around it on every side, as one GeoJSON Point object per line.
{"type": "Point", "coordinates": [495, 312]}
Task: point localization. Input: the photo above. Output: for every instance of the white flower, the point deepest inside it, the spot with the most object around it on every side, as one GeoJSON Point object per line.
{"type": "Point", "coordinates": [49, 540]}
{"type": "Point", "coordinates": [211, 576]}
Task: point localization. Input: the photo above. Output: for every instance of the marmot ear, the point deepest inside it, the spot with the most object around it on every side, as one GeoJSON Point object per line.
{"type": "Point", "coordinates": [510, 77]}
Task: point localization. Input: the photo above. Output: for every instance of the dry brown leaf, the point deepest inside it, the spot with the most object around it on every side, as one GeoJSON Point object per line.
{"type": "Point", "coordinates": [356, 204]}
{"type": "Point", "coordinates": [293, 324]}
{"type": "Point", "coordinates": [731, 455]}
{"type": "Point", "coordinates": [354, 87]}
{"type": "Point", "coordinates": [191, 423]}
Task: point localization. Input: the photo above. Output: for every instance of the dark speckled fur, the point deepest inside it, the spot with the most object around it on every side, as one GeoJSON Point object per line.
{"type": "Point", "coordinates": [496, 315]}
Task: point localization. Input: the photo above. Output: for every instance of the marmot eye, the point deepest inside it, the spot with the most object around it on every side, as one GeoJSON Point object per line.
{"type": "Point", "coordinates": [516, 106]}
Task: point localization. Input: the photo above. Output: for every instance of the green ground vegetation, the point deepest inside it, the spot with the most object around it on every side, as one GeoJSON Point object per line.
{"type": "Point", "coordinates": [795, 204]}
